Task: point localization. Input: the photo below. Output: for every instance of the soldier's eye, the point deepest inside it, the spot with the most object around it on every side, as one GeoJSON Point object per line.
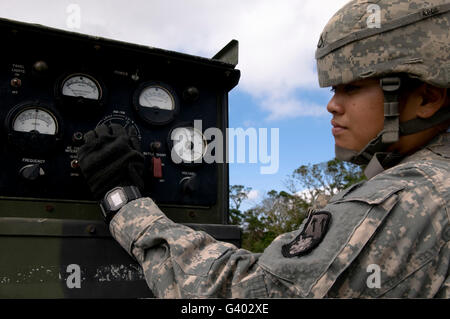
{"type": "Point", "coordinates": [350, 88]}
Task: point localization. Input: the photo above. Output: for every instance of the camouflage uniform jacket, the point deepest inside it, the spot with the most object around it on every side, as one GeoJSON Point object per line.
{"type": "Point", "coordinates": [395, 225]}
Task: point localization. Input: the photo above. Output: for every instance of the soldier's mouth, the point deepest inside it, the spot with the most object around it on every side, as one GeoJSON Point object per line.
{"type": "Point", "coordinates": [337, 128]}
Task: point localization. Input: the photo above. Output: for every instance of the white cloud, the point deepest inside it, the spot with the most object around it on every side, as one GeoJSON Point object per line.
{"type": "Point", "coordinates": [277, 38]}
{"type": "Point", "coordinates": [290, 107]}
{"type": "Point", "coordinates": [253, 195]}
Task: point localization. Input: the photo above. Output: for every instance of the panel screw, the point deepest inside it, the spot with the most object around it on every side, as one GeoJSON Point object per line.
{"type": "Point", "coordinates": [91, 229]}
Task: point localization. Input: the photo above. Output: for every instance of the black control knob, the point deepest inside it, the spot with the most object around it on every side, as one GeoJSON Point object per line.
{"type": "Point", "coordinates": [189, 184]}
{"type": "Point", "coordinates": [31, 172]}
{"type": "Point", "coordinates": [191, 94]}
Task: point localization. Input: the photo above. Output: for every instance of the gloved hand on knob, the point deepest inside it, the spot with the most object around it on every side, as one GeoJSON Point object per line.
{"type": "Point", "coordinates": [111, 157]}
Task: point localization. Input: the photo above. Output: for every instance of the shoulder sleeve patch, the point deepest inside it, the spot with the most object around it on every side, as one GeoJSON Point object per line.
{"type": "Point", "coordinates": [312, 234]}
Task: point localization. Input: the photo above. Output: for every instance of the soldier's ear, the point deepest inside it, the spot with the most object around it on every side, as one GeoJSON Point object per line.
{"type": "Point", "coordinates": [432, 99]}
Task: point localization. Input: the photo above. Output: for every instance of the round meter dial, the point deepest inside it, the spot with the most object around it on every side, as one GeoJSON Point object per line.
{"type": "Point", "coordinates": [36, 120]}
{"type": "Point", "coordinates": [81, 94]}
{"type": "Point", "coordinates": [155, 102]}
{"type": "Point", "coordinates": [157, 97]}
{"type": "Point", "coordinates": [81, 85]}
{"type": "Point", "coordinates": [188, 145]}
{"type": "Point", "coordinates": [33, 128]}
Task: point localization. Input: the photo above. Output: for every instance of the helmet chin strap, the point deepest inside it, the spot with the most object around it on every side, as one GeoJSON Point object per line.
{"type": "Point", "coordinates": [374, 154]}
{"type": "Point", "coordinates": [417, 125]}
{"type": "Point", "coordinates": [363, 157]}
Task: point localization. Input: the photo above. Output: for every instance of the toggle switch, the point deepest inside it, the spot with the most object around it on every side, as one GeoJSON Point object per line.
{"type": "Point", "coordinates": [16, 83]}
{"type": "Point", "coordinates": [157, 167]}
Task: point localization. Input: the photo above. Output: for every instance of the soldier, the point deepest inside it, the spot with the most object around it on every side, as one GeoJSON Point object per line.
{"type": "Point", "coordinates": [385, 237]}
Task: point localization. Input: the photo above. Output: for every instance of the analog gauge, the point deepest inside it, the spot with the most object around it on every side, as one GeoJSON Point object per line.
{"type": "Point", "coordinates": [188, 145]}
{"type": "Point", "coordinates": [157, 97]}
{"type": "Point", "coordinates": [155, 102]}
{"type": "Point", "coordinates": [34, 128]}
{"type": "Point", "coordinates": [80, 94]}
{"type": "Point", "coordinates": [81, 85]}
{"type": "Point", "coordinates": [35, 120]}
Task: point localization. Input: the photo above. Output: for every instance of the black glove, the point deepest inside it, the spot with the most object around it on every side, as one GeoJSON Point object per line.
{"type": "Point", "coordinates": [111, 157]}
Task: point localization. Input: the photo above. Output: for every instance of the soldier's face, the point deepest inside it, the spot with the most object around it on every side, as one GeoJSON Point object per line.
{"type": "Point", "coordinates": [358, 114]}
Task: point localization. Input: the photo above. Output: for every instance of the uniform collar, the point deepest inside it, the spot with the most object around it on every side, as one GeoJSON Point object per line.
{"type": "Point", "coordinates": [439, 145]}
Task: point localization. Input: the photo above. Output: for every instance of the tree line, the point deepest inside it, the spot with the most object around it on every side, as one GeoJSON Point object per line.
{"type": "Point", "coordinates": [308, 187]}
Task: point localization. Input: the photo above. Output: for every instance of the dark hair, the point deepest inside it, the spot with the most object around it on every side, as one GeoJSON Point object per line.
{"type": "Point", "coordinates": [448, 98]}
{"type": "Point", "coordinates": [409, 83]}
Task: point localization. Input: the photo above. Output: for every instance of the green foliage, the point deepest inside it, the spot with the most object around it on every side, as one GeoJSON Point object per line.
{"type": "Point", "coordinates": [277, 213]}
{"type": "Point", "coordinates": [282, 212]}
{"type": "Point", "coordinates": [327, 178]}
{"type": "Point", "coordinates": [238, 193]}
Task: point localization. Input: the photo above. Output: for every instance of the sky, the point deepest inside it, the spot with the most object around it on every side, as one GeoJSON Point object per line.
{"type": "Point", "coordinates": [278, 88]}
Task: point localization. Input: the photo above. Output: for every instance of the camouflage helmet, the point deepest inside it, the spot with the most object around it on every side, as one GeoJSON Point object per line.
{"type": "Point", "coordinates": [376, 38]}
{"type": "Point", "coordinates": [384, 39]}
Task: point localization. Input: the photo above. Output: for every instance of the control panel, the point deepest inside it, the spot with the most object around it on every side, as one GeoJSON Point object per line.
{"type": "Point", "coordinates": [56, 86]}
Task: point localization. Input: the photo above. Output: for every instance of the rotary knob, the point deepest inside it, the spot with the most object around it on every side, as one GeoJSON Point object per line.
{"type": "Point", "coordinates": [31, 172]}
{"type": "Point", "coordinates": [189, 184]}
